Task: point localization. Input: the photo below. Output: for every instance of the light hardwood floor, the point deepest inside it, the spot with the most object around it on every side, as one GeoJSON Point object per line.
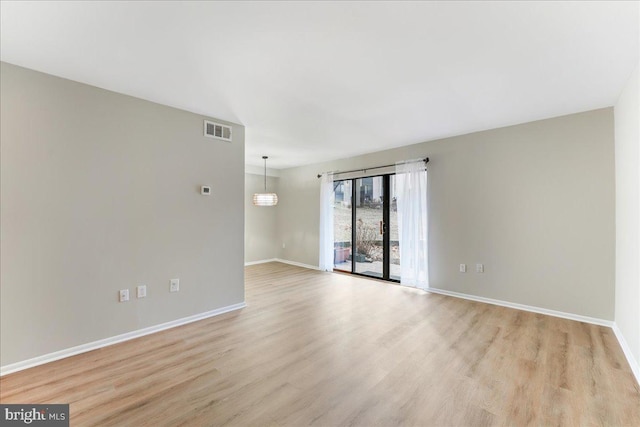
{"type": "Point", "coordinates": [324, 349]}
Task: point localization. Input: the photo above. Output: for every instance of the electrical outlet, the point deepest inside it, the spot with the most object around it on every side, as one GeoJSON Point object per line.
{"type": "Point", "coordinates": [123, 295]}
{"type": "Point", "coordinates": [479, 268]}
{"type": "Point", "coordinates": [463, 268]}
{"type": "Point", "coordinates": [141, 291]}
{"type": "Point", "coordinates": [174, 285]}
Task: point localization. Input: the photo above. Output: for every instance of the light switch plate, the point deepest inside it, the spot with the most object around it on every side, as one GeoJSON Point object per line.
{"type": "Point", "coordinates": [141, 291]}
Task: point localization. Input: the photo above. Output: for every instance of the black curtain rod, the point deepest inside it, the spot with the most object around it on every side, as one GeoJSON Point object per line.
{"type": "Point", "coordinates": [426, 160]}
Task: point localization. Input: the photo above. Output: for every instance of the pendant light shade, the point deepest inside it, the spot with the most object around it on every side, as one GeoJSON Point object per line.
{"type": "Point", "coordinates": [265, 199]}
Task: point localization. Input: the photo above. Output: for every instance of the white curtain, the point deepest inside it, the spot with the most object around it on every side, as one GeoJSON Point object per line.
{"type": "Point", "coordinates": [326, 223]}
{"type": "Point", "coordinates": [411, 196]}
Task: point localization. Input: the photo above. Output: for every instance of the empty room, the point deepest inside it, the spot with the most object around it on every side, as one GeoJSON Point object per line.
{"type": "Point", "coordinates": [292, 213]}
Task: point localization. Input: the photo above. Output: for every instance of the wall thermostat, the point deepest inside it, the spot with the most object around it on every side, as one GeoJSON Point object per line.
{"type": "Point", "coordinates": [205, 190]}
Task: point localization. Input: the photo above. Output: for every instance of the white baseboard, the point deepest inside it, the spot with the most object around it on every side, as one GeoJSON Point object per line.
{"type": "Point", "coordinates": [633, 363]}
{"type": "Point", "coordinates": [524, 307]}
{"type": "Point", "coordinates": [297, 264]}
{"type": "Point", "coordinates": [41, 360]}
{"type": "Point", "coordinates": [284, 261]}
{"type": "Point", "coordinates": [262, 261]}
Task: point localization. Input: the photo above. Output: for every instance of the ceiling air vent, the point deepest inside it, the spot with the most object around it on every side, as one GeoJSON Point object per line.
{"type": "Point", "coordinates": [216, 130]}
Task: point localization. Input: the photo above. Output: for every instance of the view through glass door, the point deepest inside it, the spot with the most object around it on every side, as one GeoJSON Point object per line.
{"type": "Point", "coordinates": [366, 227]}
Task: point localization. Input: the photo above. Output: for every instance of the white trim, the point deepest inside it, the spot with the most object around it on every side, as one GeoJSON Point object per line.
{"type": "Point", "coordinates": [284, 261]}
{"type": "Point", "coordinates": [297, 264]}
{"type": "Point", "coordinates": [262, 261]}
{"type": "Point", "coordinates": [635, 367]}
{"type": "Point", "coordinates": [533, 309]}
{"type": "Point", "coordinates": [83, 348]}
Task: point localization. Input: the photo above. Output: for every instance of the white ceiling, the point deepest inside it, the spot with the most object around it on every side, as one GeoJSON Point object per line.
{"type": "Point", "coordinates": [315, 81]}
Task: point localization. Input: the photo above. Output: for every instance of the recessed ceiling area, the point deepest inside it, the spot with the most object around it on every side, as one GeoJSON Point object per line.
{"type": "Point", "coordinates": [317, 81]}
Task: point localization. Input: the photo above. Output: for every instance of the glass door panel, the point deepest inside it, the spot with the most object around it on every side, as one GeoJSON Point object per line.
{"type": "Point", "coordinates": [394, 247]}
{"type": "Point", "coordinates": [342, 218]}
{"type": "Point", "coordinates": [369, 226]}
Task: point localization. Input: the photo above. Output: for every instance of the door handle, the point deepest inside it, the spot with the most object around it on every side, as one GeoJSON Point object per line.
{"type": "Point", "coordinates": [381, 227]}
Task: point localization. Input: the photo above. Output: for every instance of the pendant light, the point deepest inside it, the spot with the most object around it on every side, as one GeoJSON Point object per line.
{"type": "Point", "coordinates": [265, 199]}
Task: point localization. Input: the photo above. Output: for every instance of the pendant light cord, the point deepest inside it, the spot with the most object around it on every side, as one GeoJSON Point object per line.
{"type": "Point", "coordinates": [265, 173]}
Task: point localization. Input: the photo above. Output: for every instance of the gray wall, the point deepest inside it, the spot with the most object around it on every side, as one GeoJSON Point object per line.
{"type": "Point", "coordinates": [533, 202]}
{"type": "Point", "coordinates": [627, 130]}
{"type": "Point", "coordinates": [100, 192]}
{"type": "Point", "coordinates": [261, 225]}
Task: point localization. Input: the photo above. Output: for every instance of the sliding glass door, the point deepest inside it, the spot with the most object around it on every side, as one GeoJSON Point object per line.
{"type": "Point", "coordinates": [369, 226]}
{"type": "Point", "coordinates": [342, 219]}
{"type": "Point", "coordinates": [366, 227]}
